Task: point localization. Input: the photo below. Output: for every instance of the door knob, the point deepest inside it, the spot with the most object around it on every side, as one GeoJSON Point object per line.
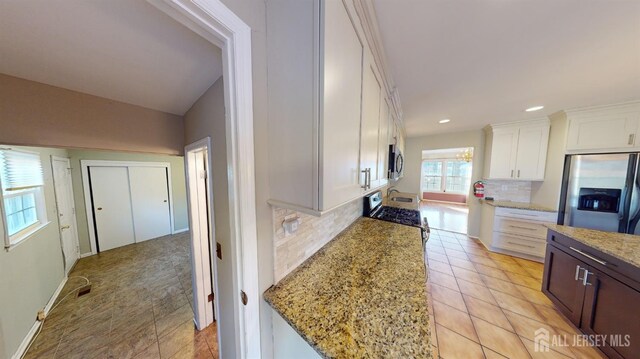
{"type": "Point", "coordinates": [99, 208]}
{"type": "Point", "coordinates": [165, 200]}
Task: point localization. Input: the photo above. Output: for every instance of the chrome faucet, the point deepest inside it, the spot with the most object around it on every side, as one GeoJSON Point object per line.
{"type": "Point", "coordinates": [392, 189]}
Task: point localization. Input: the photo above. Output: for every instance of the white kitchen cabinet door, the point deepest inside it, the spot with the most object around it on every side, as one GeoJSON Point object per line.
{"type": "Point", "coordinates": [370, 131]}
{"type": "Point", "coordinates": [503, 154]}
{"type": "Point", "coordinates": [531, 155]}
{"type": "Point", "coordinates": [609, 132]}
{"type": "Point", "coordinates": [342, 90]}
{"type": "Point", "coordinates": [112, 207]}
{"type": "Point", "coordinates": [383, 142]}
{"type": "Point", "coordinates": [150, 202]}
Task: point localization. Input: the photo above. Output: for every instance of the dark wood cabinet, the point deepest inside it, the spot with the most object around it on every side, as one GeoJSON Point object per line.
{"type": "Point", "coordinates": [588, 288]}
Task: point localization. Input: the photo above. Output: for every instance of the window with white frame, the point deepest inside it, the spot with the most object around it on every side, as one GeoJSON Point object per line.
{"type": "Point", "coordinates": [448, 175]}
{"type": "Point", "coordinates": [23, 204]}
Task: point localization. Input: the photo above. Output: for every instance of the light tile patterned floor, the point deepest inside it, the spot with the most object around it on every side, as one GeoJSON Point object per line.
{"type": "Point", "coordinates": [488, 305]}
{"type": "Point", "coordinates": [140, 306]}
{"type": "Point", "coordinates": [445, 216]}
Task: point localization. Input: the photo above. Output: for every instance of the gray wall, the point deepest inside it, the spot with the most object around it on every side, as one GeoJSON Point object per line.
{"type": "Point", "coordinates": [413, 162]}
{"type": "Point", "coordinates": [178, 185]}
{"type": "Point", "coordinates": [32, 271]}
{"type": "Point", "coordinates": [36, 114]}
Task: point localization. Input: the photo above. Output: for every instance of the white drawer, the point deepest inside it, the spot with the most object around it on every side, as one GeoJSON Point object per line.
{"type": "Point", "coordinates": [519, 244]}
{"type": "Point", "coordinates": [527, 214]}
{"type": "Point", "coordinates": [526, 228]}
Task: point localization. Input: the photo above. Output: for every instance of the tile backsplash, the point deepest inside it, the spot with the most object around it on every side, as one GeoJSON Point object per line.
{"type": "Point", "coordinates": [515, 191]}
{"type": "Point", "coordinates": [290, 250]}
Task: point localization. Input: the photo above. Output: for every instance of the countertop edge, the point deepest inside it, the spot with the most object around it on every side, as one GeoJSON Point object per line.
{"type": "Point", "coordinates": [519, 205]}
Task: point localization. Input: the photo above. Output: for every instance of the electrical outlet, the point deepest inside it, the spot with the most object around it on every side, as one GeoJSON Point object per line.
{"type": "Point", "coordinates": [41, 315]}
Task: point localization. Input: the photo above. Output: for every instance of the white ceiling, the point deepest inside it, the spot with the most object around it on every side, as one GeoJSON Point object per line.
{"type": "Point", "coordinates": [485, 61]}
{"type": "Point", "coordinates": [124, 50]}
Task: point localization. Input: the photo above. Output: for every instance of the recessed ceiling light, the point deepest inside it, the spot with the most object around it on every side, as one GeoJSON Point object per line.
{"type": "Point", "coordinates": [444, 121]}
{"type": "Point", "coordinates": [534, 108]}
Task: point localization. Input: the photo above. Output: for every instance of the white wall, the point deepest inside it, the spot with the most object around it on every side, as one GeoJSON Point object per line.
{"type": "Point", "coordinates": [32, 271]}
{"type": "Point", "coordinates": [547, 193]}
{"type": "Point", "coordinates": [413, 161]}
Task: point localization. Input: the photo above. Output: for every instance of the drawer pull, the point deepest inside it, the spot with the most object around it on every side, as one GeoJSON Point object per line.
{"type": "Point", "coordinates": [520, 227]}
{"type": "Point", "coordinates": [520, 244]}
{"type": "Point", "coordinates": [578, 269]}
{"type": "Point", "coordinates": [589, 256]}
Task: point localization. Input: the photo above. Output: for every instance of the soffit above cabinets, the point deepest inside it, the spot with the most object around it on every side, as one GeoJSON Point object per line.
{"type": "Point", "coordinates": [126, 51]}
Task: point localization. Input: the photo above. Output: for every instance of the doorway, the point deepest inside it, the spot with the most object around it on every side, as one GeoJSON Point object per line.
{"type": "Point", "coordinates": [445, 186]}
{"type": "Point", "coordinates": [63, 189]}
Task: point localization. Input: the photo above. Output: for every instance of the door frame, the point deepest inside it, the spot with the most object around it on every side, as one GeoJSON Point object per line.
{"type": "Point", "coordinates": [216, 23]}
{"type": "Point", "coordinates": [202, 246]}
{"type": "Point", "coordinates": [75, 220]}
{"type": "Point", "coordinates": [84, 166]}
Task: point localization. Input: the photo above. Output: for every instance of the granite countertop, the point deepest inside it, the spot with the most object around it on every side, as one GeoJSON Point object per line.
{"type": "Point", "coordinates": [519, 205]}
{"type": "Point", "coordinates": [625, 247]}
{"type": "Point", "coordinates": [363, 295]}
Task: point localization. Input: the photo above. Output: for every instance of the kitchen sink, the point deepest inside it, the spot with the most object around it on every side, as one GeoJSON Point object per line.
{"type": "Point", "coordinates": [402, 199]}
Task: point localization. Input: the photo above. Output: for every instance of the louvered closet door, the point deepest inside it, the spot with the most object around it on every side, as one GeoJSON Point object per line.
{"type": "Point", "coordinates": [150, 202]}
{"type": "Point", "coordinates": [112, 207]}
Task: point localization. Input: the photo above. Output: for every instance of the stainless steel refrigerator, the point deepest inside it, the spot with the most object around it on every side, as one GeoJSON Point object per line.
{"type": "Point", "coordinates": [601, 191]}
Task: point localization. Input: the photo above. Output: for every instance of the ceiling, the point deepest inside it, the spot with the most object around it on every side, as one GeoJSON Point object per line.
{"type": "Point", "coordinates": [478, 62]}
{"type": "Point", "coordinates": [124, 50]}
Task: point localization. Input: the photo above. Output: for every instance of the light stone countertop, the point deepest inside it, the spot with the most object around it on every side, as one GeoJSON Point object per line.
{"type": "Point", "coordinates": [519, 205]}
{"type": "Point", "coordinates": [363, 295]}
{"type": "Point", "coordinates": [625, 247]}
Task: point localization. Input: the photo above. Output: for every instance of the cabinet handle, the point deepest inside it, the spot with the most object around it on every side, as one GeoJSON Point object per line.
{"type": "Point", "coordinates": [528, 229]}
{"type": "Point", "coordinates": [511, 173]}
{"type": "Point", "coordinates": [518, 173]}
{"type": "Point", "coordinates": [578, 272]}
{"type": "Point", "coordinates": [365, 178]}
{"type": "Point", "coordinates": [632, 137]}
{"type": "Point", "coordinates": [586, 278]}
{"type": "Point", "coordinates": [519, 244]}
{"type": "Point", "coordinates": [368, 178]}
{"type": "Point", "coordinates": [589, 256]}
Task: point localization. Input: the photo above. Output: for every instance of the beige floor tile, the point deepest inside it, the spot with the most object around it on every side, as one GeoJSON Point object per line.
{"type": "Point", "coordinates": [516, 305]}
{"type": "Point", "coordinates": [542, 353]}
{"type": "Point", "coordinates": [475, 290]}
{"type": "Point", "coordinates": [453, 253]}
{"type": "Point", "coordinates": [435, 249]}
{"type": "Point", "coordinates": [173, 320]}
{"type": "Point", "coordinates": [490, 354]}
{"type": "Point", "coordinates": [523, 280]}
{"type": "Point", "coordinates": [462, 263]}
{"type": "Point", "coordinates": [534, 296]}
{"type": "Point", "coordinates": [437, 257]}
{"type": "Point", "coordinates": [554, 318]}
{"type": "Point", "coordinates": [488, 312]}
{"type": "Point", "coordinates": [499, 340]}
{"type": "Point", "coordinates": [501, 285]}
{"type": "Point", "coordinates": [452, 345]}
{"type": "Point", "coordinates": [440, 267]}
{"type": "Point", "coordinates": [451, 297]}
{"type": "Point", "coordinates": [587, 352]}
{"type": "Point", "coordinates": [455, 320]}
{"type": "Point", "coordinates": [151, 352]}
{"type": "Point", "coordinates": [526, 328]}
{"type": "Point", "coordinates": [491, 271]}
{"type": "Point", "coordinates": [467, 275]}
{"type": "Point", "coordinates": [444, 280]}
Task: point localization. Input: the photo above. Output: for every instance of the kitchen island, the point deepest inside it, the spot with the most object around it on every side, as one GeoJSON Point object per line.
{"type": "Point", "coordinates": [593, 278]}
{"type": "Point", "coordinates": [363, 295]}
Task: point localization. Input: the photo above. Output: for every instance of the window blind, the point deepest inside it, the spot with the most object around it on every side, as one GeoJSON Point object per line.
{"type": "Point", "coordinates": [20, 170]}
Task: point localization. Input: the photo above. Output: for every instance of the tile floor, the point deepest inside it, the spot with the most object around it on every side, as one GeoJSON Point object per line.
{"type": "Point", "coordinates": [488, 305]}
{"type": "Point", "coordinates": [446, 216]}
{"type": "Point", "coordinates": [140, 306]}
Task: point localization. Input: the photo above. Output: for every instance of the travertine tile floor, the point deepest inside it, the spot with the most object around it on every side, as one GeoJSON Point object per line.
{"type": "Point", "coordinates": [450, 217]}
{"type": "Point", "coordinates": [488, 305]}
{"type": "Point", "coordinates": [140, 306]}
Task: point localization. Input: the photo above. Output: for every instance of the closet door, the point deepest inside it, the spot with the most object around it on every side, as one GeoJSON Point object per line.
{"type": "Point", "coordinates": [150, 202]}
{"type": "Point", "coordinates": [112, 207]}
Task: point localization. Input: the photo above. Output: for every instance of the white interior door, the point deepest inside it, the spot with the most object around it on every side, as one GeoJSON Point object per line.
{"type": "Point", "coordinates": [112, 207]}
{"type": "Point", "coordinates": [66, 211]}
{"type": "Point", "coordinates": [150, 202]}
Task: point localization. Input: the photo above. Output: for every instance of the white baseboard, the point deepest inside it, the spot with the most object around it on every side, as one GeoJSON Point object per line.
{"type": "Point", "coordinates": [34, 328]}
{"type": "Point", "coordinates": [181, 230]}
{"type": "Point", "coordinates": [88, 254]}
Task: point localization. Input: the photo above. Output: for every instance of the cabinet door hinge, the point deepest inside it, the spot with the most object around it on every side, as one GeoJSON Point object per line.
{"type": "Point", "coordinates": [243, 297]}
{"type": "Point", "coordinates": [210, 297]}
{"type": "Point", "coordinates": [218, 250]}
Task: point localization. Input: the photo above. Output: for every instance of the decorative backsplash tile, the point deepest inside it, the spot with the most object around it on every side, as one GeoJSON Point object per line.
{"type": "Point", "coordinates": [290, 250]}
{"type": "Point", "coordinates": [514, 191]}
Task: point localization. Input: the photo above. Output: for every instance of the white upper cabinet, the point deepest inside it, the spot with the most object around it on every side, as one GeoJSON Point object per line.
{"type": "Point", "coordinates": [340, 122]}
{"type": "Point", "coordinates": [518, 151]}
{"type": "Point", "coordinates": [327, 114]}
{"type": "Point", "coordinates": [386, 121]}
{"type": "Point", "coordinates": [370, 132]}
{"type": "Point", "coordinates": [604, 129]}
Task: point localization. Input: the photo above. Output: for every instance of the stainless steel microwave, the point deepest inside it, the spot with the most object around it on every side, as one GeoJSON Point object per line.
{"type": "Point", "coordinates": [396, 162]}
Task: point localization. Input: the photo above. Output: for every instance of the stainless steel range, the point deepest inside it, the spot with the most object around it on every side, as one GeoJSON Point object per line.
{"type": "Point", "coordinates": [409, 217]}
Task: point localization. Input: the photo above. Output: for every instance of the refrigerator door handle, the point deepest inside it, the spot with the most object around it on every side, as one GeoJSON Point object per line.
{"type": "Point", "coordinates": [635, 217]}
